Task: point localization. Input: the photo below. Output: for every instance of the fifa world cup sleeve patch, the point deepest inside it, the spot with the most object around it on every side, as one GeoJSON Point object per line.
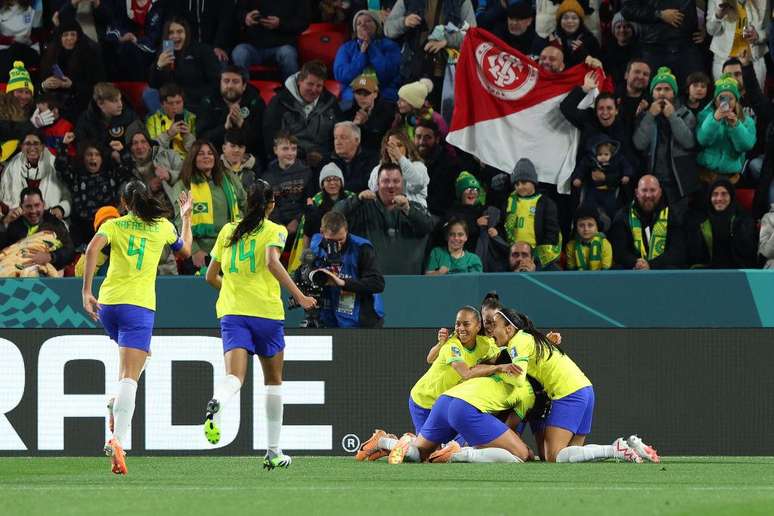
{"type": "Point", "coordinates": [455, 354]}
{"type": "Point", "coordinates": [280, 240]}
{"type": "Point", "coordinates": [515, 356]}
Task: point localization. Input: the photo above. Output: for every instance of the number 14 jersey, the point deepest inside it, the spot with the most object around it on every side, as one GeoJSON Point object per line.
{"type": "Point", "coordinates": [135, 250]}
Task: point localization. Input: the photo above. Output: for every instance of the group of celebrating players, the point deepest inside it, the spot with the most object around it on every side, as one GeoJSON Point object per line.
{"type": "Point", "coordinates": [472, 394]}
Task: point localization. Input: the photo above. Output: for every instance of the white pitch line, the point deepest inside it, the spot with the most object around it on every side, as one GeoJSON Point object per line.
{"type": "Point", "coordinates": [509, 488]}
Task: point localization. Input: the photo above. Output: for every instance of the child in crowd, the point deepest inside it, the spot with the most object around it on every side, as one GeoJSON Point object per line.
{"type": "Point", "coordinates": [236, 158]}
{"type": "Point", "coordinates": [698, 87]}
{"type": "Point", "coordinates": [48, 107]}
{"type": "Point", "coordinates": [602, 170]}
{"type": "Point", "coordinates": [589, 250]}
{"type": "Point", "coordinates": [454, 259]}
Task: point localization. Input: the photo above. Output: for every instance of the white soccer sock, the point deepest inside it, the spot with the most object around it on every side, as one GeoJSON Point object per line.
{"type": "Point", "coordinates": [273, 416]}
{"type": "Point", "coordinates": [412, 454]}
{"type": "Point", "coordinates": [386, 443]}
{"type": "Point", "coordinates": [484, 455]}
{"type": "Point", "coordinates": [224, 391]}
{"type": "Point", "coordinates": [123, 408]}
{"type": "Point", "coordinates": [588, 453]}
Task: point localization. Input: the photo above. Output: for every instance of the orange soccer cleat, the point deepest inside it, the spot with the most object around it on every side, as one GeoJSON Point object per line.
{"type": "Point", "coordinates": [398, 453]}
{"type": "Point", "coordinates": [371, 447]}
{"type": "Point", "coordinates": [117, 456]}
{"type": "Point", "coordinates": [445, 454]}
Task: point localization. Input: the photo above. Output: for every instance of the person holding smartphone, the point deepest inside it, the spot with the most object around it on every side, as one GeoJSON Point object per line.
{"type": "Point", "coordinates": [173, 126]}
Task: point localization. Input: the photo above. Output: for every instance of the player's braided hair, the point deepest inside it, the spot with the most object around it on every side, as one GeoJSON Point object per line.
{"type": "Point", "coordinates": [520, 321]}
{"type": "Point", "coordinates": [261, 195]}
{"type": "Point", "coordinates": [141, 202]}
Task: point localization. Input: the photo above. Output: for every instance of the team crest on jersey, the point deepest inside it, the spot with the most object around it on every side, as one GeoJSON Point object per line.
{"type": "Point", "coordinates": [200, 207]}
{"type": "Point", "coordinates": [116, 132]}
{"type": "Point", "coordinates": [281, 237]}
{"type": "Point", "coordinates": [456, 351]}
{"type": "Point", "coordinates": [502, 74]}
{"type": "Point", "coordinates": [533, 209]}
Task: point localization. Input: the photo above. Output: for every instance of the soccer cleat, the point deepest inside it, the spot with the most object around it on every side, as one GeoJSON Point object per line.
{"type": "Point", "coordinates": [445, 454]}
{"type": "Point", "coordinates": [379, 453]}
{"type": "Point", "coordinates": [642, 449]}
{"type": "Point", "coordinates": [111, 417]}
{"type": "Point", "coordinates": [117, 456]}
{"type": "Point", "coordinates": [622, 451]}
{"type": "Point", "coordinates": [398, 453]}
{"type": "Point", "coordinates": [276, 460]}
{"type": "Point", "coordinates": [211, 430]}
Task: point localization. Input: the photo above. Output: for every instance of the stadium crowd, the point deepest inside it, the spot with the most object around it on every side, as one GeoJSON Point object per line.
{"type": "Point", "coordinates": [345, 105]}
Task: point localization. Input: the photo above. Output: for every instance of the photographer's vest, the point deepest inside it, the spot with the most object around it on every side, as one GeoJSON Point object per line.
{"type": "Point", "coordinates": [341, 309]}
{"type": "Point", "coordinates": [658, 236]}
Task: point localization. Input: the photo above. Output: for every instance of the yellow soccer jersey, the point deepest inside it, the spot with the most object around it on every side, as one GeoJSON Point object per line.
{"type": "Point", "coordinates": [491, 394]}
{"type": "Point", "coordinates": [135, 250]}
{"type": "Point", "coordinates": [248, 286]}
{"type": "Point", "coordinates": [559, 375]}
{"type": "Point", "coordinates": [441, 376]}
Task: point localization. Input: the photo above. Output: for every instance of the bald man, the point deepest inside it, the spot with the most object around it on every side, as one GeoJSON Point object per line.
{"type": "Point", "coordinates": [551, 59]}
{"type": "Point", "coordinates": [648, 234]}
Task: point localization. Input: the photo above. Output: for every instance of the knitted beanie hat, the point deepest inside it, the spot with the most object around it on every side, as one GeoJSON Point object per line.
{"type": "Point", "coordinates": [19, 78]}
{"type": "Point", "coordinates": [464, 181]}
{"type": "Point", "coordinates": [524, 171]}
{"type": "Point", "coordinates": [727, 83]}
{"type": "Point", "coordinates": [415, 93]}
{"type": "Point", "coordinates": [331, 170]}
{"type": "Point", "coordinates": [570, 6]}
{"type": "Point", "coordinates": [664, 75]}
{"type": "Point", "coordinates": [365, 12]}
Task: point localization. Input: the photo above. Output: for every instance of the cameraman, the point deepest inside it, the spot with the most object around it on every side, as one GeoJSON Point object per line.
{"type": "Point", "coordinates": [352, 298]}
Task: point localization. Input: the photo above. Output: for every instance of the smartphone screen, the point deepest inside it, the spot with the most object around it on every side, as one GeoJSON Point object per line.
{"type": "Point", "coordinates": [57, 72]}
{"type": "Point", "coordinates": [179, 117]}
{"type": "Point", "coordinates": [168, 46]}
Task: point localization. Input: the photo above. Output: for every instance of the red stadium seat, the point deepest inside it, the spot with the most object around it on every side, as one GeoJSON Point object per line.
{"type": "Point", "coordinates": [744, 198]}
{"type": "Point", "coordinates": [334, 87]}
{"type": "Point", "coordinates": [264, 72]}
{"type": "Point", "coordinates": [2, 87]}
{"type": "Point", "coordinates": [132, 93]}
{"type": "Point", "coordinates": [320, 45]}
{"type": "Point", "coordinates": [327, 27]}
{"type": "Point", "coordinates": [266, 89]}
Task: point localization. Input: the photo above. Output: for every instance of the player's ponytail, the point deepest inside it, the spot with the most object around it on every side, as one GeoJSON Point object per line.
{"type": "Point", "coordinates": [261, 195]}
{"type": "Point", "coordinates": [139, 200]}
{"type": "Point", "coordinates": [520, 321]}
{"type": "Point", "coordinates": [491, 301]}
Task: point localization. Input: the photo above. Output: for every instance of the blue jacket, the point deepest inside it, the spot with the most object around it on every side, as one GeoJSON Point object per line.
{"type": "Point", "coordinates": [383, 55]}
{"type": "Point", "coordinates": [120, 24]}
{"type": "Point", "coordinates": [358, 304]}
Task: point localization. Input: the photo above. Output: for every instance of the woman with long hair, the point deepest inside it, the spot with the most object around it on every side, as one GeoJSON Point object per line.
{"type": "Point", "coordinates": [249, 307]}
{"type": "Point", "coordinates": [398, 149]}
{"type": "Point", "coordinates": [217, 199]}
{"type": "Point", "coordinates": [127, 298]}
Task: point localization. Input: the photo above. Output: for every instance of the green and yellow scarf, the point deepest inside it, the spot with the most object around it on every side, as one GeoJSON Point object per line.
{"type": "Point", "coordinates": [595, 248]}
{"type": "Point", "coordinates": [657, 241]}
{"type": "Point", "coordinates": [203, 216]}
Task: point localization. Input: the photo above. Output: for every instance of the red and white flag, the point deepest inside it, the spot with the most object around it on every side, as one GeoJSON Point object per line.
{"type": "Point", "coordinates": [507, 108]}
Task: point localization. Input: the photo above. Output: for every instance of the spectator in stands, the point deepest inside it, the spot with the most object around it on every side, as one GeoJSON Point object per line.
{"type": "Point", "coordinates": [531, 217]}
{"type": "Point", "coordinates": [413, 106]}
{"type": "Point", "coordinates": [212, 22]}
{"type": "Point", "coordinates": [158, 168]}
{"type": "Point", "coordinates": [239, 106]}
{"type": "Point", "coordinates": [666, 34]}
{"type": "Point", "coordinates": [14, 122]}
{"type": "Point", "coordinates": [369, 111]}
{"type": "Point", "coordinates": [353, 160]}
{"type": "Point", "coordinates": [172, 126]}
{"type": "Point", "coordinates": [426, 33]}
{"type": "Point", "coordinates": [453, 259]}
{"type": "Point", "coordinates": [107, 120]}
{"type": "Point", "coordinates": [576, 40]}
{"type": "Point", "coordinates": [602, 169]}
{"type": "Point", "coordinates": [491, 14]}
{"type": "Point", "coordinates": [34, 167]}
{"type": "Point", "coordinates": [271, 29]}
{"type": "Point", "coordinates": [724, 134]}
{"type": "Point", "coordinates": [31, 216]}
{"type": "Point", "coordinates": [94, 15]}
{"type": "Point", "coordinates": [518, 30]}
{"type": "Point", "coordinates": [552, 58]}
{"type": "Point", "coordinates": [71, 66]}
{"type": "Point", "coordinates": [397, 227]}
{"type": "Point", "coordinates": [442, 167]}
{"type": "Point", "coordinates": [665, 134]}
{"type": "Point", "coordinates": [189, 64]}
{"type": "Point", "coordinates": [20, 24]}
{"type": "Point", "coordinates": [521, 259]}
{"type": "Point", "coordinates": [697, 89]}
{"type": "Point", "coordinates": [93, 180]}
{"type": "Point", "coordinates": [305, 109]}
{"type": "Point", "coordinates": [236, 159]}
{"type": "Point", "coordinates": [218, 198]}
{"type": "Point", "coordinates": [369, 53]}
{"type": "Point", "coordinates": [727, 235]}
{"type": "Point", "coordinates": [21, 87]}
{"type": "Point", "coordinates": [133, 35]}
{"type": "Point", "coordinates": [398, 149]}
{"type": "Point", "coordinates": [738, 26]}
{"type": "Point", "coordinates": [632, 97]}
{"type": "Point", "coordinates": [53, 128]}
{"type": "Point", "coordinates": [648, 234]}
{"type": "Point", "coordinates": [766, 240]}
{"type": "Point", "coordinates": [588, 250]}
{"type": "Point", "coordinates": [289, 178]}
{"type": "Point", "coordinates": [469, 206]}
{"type": "Point", "coordinates": [352, 297]}
{"type": "Point", "coordinates": [621, 48]}
{"type": "Point", "coordinates": [546, 20]}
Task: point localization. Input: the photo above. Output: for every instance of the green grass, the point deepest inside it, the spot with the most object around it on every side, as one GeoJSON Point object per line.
{"type": "Point", "coordinates": [213, 486]}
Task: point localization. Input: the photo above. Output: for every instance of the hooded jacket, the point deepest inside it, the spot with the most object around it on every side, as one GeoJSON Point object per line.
{"type": "Point", "coordinates": [655, 33]}
{"type": "Point", "coordinates": [211, 21]}
{"type": "Point", "coordinates": [196, 70]}
{"type": "Point", "coordinates": [312, 123]}
{"type": "Point", "coordinates": [383, 56]}
{"type": "Point", "coordinates": [92, 125]}
{"type": "Point", "coordinates": [17, 175]}
{"type": "Point", "coordinates": [724, 148]}
{"type": "Point", "coordinates": [120, 23]}
{"type": "Point", "coordinates": [614, 170]}
{"type": "Point", "coordinates": [212, 120]}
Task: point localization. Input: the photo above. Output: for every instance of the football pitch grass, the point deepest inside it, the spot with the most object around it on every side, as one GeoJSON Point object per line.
{"type": "Point", "coordinates": [338, 485]}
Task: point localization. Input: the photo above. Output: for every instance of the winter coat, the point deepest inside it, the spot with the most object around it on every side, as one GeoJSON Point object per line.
{"type": "Point", "coordinates": [723, 30]}
{"type": "Point", "coordinates": [17, 176]}
{"type": "Point", "coordinates": [212, 22]}
{"type": "Point", "coordinates": [545, 17]}
{"type": "Point", "coordinates": [293, 16]}
{"type": "Point", "coordinates": [626, 254]}
{"type": "Point", "coordinates": [590, 45]}
{"type": "Point", "coordinates": [196, 70]}
{"type": "Point", "coordinates": [656, 34]}
{"type": "Point", "coordinates": [92, 126]}
{"type": "Point", "coordinates": [212, 120]}
{"type": "Point", "coordinates": [617, 168]}
{"type": "Point", "coordinates": [291, 189]}
{"type": "Point", "coordinates": [148, 36]}
{"type": "Point", "coordinates": [312, 123]}
{"type": "Point", "coordinates": [529, 43]}
{"type": "Point", "coordinates": [443, 170]}
{"type": "Point", "coordinates": [357, 171]}
{"type": "Point", "coordinates": [380, 119]}
{"type": "Point", "coordinates": [415, 180]}
{"type": "Point", "coordinates": [383, 56]}
{"type": "Point", "coordinates": [724, 148]}
{"type": "Point", "coordinates": [766, 240]}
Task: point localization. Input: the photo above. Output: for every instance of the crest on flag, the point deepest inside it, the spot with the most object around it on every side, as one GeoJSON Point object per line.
{"type": "Point", "coordinates": [502, 74]}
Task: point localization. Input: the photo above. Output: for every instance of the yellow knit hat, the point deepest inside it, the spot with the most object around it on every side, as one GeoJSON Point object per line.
{"type": "Point", "coordinates": [568, 6]}
{"type": "Point", "coordinates": [19, 78]}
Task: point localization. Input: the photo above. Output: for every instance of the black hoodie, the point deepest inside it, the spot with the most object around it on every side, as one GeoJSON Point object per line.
{"type": "Point", "coordinates": [614, 170]}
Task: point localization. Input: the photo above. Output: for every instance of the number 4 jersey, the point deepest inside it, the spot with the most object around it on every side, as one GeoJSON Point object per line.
{"type": "Point", "coordinates": [249, 288]}
{"type": "Point", "coordinates": [135, 250]}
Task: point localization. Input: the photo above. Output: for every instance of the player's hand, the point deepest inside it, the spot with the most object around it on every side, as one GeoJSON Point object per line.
{"type": "Point", "coordinates": [91, 306]}
{"type": "Point", "coordinates": [443, 335]}
{"type": "Point", "coordinates": [555, 337]}
{"type": "Point", "coordinates": [185, 201]}
{"type": "Point", "coordinates": [306, 302]}
{"type": "Point", "coordinates": [509, 369]}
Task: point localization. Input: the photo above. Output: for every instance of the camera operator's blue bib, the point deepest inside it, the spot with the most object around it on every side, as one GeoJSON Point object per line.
{"type": "Point", "coordinates": [340, 308]}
